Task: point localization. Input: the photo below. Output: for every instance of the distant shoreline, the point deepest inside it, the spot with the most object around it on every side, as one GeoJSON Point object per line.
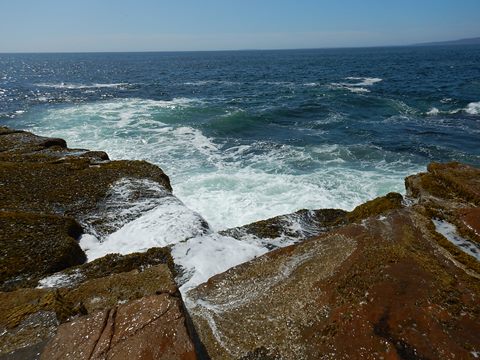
{"type": "Point", "coordinates": [461, 42]}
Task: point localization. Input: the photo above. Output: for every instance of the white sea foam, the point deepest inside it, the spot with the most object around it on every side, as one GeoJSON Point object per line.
{"type": "Point", "coordinates": [357, 89]}
{"type": "Point", "coordinates": [357, 84]}
{"type": "Point", "coordinates": [473, 108]}
{"type": "Point", "coordinates": [59, 280]}
{"type": "Point", "coordinates": [228, 185]}
{"type": "Point", "coordinates": [157, 221]}
{"type": "Point", "coordinates": [204, 257]}
{"type": "Point", "coordinates": [80, 86]}
{"type": "Point", "coordinates": [170, 223]}
{"type": "Point", "coordinates": [433, 111]}
{"type": "Point", "coordinates": [126, 200]}
{"type": "Point", "coordinates": [288, 84]}
{"type": "Point", "coordinates": [364, 81]}
{"type": "Point", "coordinates": [449, 231]}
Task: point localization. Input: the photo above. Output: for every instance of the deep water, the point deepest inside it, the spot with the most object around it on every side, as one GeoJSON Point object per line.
{"type": "Point", "coordinates": [252, 134]}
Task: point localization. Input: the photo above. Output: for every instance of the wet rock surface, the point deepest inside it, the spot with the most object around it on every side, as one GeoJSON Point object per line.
{"type": "Point", "coordinates": [305, 224]}
{"type": "Point", "coordinates": [49, 192]}
{"type": "Point", "coordinates": [382, 286]}
{"type": "Point", "coordinates": [298, 226]}
{"type": "Point", "coordinates": [44, 187]}
{"type": "Point", "coordinates": [450, 193]}
{"type": "Point", "coordinates": [108, 265]}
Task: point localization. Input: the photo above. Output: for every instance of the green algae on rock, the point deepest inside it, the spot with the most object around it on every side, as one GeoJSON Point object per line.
{"type": "Point", "coordinates": [34, 245]}
{"type": "Point", "coordinates": [376, 207]}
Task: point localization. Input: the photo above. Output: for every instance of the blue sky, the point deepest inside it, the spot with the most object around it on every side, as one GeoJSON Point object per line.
{"type": "Point", "coordinates": [158, 25]}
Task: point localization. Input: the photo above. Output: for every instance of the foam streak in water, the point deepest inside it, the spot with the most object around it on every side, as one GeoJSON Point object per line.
{"type": "Point", "coordinates": [80, 86]}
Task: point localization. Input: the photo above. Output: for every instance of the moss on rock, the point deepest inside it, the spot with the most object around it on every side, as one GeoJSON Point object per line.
{"type": "Point", "coordinates": [35, 245]}
{"type": "Point", "coordinates": [376, 207]}
{"type": "Point", "coordinates": [70, 186]}
{"type": "Point", "coordinates": [45, 186]}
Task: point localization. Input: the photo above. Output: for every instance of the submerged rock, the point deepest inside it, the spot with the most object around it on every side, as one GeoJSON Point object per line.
{"type": "Point", "coordinates": [382, 285]}
{"type": "Point", "coordinates": [296, 226]}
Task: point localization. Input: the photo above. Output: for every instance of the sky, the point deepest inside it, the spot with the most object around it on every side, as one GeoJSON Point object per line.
{"type": "Point", "coordinates": [189, 25]}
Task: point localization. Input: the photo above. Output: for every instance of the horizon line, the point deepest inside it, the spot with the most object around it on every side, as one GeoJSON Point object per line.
{"type": "Point", "coordinates": [231, 50]}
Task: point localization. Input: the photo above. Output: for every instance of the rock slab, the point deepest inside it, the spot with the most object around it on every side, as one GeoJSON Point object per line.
{"type": "Point", "coordinates": [152, 327]}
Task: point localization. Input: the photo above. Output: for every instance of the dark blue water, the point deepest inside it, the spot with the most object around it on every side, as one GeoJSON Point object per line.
{"type": "Point", "coordinates": [246, 135]}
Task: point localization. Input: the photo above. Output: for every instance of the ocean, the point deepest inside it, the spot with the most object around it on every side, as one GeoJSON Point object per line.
{"type": "Point", "coordinates": [247, 135]}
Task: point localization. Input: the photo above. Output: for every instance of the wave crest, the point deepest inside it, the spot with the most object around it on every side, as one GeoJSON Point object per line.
{"type": "Point", "coordinates": [70, 86]}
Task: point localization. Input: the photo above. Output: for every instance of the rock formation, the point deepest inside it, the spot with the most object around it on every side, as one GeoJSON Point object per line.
{"type": "Point", "coordinates": [385, 285]}
{"type": "Point", "coordinates": [52, 305]}
{"type": "Point", "coordinates": [396, 278]}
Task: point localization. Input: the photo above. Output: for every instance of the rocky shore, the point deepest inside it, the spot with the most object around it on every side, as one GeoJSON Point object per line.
{"type": "Point", "coordinates": [396, 278]}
